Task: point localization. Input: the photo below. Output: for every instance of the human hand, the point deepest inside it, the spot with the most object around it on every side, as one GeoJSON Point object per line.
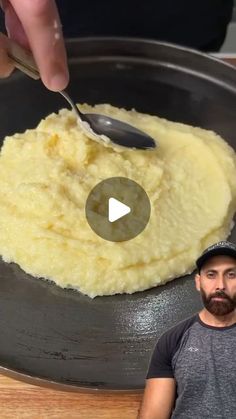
{"type": "Point", "coordinates": [35, 25]}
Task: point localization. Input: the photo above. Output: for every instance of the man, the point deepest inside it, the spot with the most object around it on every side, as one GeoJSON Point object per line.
{"type": "Point", "coordinates": [192, 373]}
{"type": "Point", "coordinates": [199, 24]}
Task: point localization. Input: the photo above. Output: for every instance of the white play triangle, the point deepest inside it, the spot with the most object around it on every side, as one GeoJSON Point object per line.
{"type": "Point", "coordinates": [116, 210]}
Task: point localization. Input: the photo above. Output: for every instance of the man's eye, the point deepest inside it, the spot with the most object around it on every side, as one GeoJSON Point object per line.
{"type": "Point", "coordinates": [210, 274]}
{"type": "Point", "coordinates": [231, 274]}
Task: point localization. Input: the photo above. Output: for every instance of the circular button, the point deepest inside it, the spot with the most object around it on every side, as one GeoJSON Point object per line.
{"type": "Point", "coordinates": [117, 209]}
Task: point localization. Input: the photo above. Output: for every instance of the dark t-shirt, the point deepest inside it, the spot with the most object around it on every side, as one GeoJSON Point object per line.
{"type": "Point", "coordinates": [202, 360]}
{"type": "Point", "coordinates": [199, 24]}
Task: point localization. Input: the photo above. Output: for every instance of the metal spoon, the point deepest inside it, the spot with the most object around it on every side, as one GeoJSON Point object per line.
{"type": "Point", "coordinates": [96, 126]}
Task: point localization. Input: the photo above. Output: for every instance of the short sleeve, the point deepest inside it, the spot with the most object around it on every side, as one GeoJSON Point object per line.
{"type": "Point", "coordinates": [160, 364]}
{"type": "Point", "coordinates": [161, 361]}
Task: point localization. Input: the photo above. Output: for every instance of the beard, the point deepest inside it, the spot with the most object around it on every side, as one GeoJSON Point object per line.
{"type": "Point", "coordinates": [219, 308]}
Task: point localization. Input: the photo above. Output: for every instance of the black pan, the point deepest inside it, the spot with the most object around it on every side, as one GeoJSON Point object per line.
{"type": "Point", "coordinates": [60, 335]}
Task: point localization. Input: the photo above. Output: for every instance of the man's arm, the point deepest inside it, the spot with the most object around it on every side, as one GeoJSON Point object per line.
{"type": "Point", "coordinates": [158, 399]}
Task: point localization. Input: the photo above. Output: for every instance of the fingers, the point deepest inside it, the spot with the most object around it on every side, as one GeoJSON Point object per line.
{"type": "Point", "coordinates": [13, 26]}
{"type": "Point", "coordinates": [6, 66]}
{"type": "Point", "coordinates": [42, 27]}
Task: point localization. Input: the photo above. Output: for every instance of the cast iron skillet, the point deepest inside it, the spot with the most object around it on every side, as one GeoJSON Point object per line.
{"type": "Point", "coordinates": [60, 337]}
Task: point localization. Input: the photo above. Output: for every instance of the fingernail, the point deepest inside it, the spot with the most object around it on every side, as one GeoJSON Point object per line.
{"type": "Point", "coordinates": [58, 82]}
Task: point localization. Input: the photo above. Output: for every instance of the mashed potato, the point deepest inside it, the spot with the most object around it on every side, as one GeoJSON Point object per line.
{"type": "Point", "coordinates": [47, 173]}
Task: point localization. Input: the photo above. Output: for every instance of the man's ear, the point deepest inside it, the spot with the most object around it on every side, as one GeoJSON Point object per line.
{"type": "Point", "coordinates": [197, 281]}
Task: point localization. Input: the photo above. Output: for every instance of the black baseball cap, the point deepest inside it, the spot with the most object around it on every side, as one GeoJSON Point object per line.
{"type": "Point", "coordinates": [223, 248]}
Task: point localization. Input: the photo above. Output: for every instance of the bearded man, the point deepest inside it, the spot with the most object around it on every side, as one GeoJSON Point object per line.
{"type": "Point", "coordinates": [192, 370]}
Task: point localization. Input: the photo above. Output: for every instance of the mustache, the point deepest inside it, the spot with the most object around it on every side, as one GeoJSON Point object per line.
{"type": "Point", "coordinates": [220, 294]}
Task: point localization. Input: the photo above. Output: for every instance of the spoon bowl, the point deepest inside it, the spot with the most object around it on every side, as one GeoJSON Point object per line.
{"type": "Point", "coordinates": [105, 128]}
{"type": "Point", "coordinates": [119, 132]}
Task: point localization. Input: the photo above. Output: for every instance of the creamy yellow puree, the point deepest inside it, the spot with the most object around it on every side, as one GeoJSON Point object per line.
{"type": "Point", "coordinates": [47, 173]}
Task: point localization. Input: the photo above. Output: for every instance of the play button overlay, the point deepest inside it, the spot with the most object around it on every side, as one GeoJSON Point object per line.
{"type": "Point", "coordinates": [117, 209]}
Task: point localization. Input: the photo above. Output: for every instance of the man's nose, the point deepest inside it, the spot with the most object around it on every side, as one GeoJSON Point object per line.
{"type": "Point", "coordinates": [220, 284]}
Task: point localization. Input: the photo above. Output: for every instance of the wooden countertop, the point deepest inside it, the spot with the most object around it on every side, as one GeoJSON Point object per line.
{"type": "Point", "coordinates": [19, 400]}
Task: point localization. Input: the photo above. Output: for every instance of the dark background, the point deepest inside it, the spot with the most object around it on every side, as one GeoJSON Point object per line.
{"type": "Point", "coordinates": [199, 24]}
